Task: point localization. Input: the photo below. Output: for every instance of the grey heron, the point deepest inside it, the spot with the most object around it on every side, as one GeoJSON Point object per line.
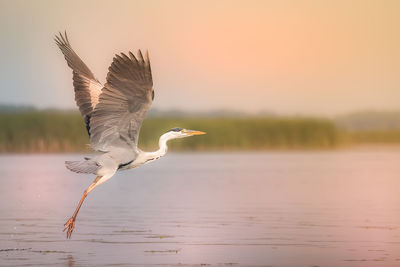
{"type": "Point", "coordinates": [113, 114]}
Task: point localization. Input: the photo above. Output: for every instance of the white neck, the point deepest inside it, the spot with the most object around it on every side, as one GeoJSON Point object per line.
{"type": "Point", "coordinates": [162, 142]}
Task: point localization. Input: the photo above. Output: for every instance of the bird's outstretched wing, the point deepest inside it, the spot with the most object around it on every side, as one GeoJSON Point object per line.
{"type": "Point", "coordinates": [87, 87]}
{"type": "Point", "coordinates": [123, 103]}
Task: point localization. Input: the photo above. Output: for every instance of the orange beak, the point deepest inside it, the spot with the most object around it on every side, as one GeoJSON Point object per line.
{"type": "Point", "coordinates": [190, 132]}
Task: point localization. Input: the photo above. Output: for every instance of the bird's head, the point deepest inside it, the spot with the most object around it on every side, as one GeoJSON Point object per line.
{"type": "Point", "coordinates": [180, 133]}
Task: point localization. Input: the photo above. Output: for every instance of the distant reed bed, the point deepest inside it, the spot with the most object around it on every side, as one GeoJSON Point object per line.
{"type": "Point", "coordinates": [46, 131]}
{"type": "Point", "coordinates": [244, 133]}
{"type": "Point", "coordinates": [381, 137]}
{"type": "Point", "coordinates": [42, 132]}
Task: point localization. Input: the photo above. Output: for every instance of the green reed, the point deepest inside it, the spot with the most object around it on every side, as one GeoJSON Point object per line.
{"type": "Point", "coordinates": [47, 131]}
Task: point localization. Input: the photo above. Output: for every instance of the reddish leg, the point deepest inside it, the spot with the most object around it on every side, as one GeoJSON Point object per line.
{"type": "Point", "coordinates": [70, 224]}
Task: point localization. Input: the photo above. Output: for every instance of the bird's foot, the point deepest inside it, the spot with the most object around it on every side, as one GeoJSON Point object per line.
{"type": "Point", "coordinates": [70, 224]}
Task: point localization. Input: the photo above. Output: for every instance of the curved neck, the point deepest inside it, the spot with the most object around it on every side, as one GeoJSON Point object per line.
{"type": "Point", "coordinates": [162, 142]}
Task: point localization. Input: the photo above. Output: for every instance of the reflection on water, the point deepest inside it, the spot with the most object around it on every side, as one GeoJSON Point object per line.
{"type": "Point", "coordinates": [252, 209]}
{"type": "Point", "coordinates": [70, 261]}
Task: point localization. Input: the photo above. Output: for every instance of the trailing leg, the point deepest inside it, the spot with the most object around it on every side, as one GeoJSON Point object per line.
{"type": "Point", "coordinates": [70, 224]}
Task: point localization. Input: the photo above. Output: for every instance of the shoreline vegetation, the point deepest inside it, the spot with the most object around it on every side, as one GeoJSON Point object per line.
{"type": "Point", "coordinates": [57, 131]}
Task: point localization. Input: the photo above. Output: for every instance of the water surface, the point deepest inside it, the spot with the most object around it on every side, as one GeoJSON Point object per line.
{"type": "Point", "coordinates": [339, 208]}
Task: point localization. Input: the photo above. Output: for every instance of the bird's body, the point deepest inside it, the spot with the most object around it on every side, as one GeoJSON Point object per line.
{"type": "Point", "coordinates": [113, 114]}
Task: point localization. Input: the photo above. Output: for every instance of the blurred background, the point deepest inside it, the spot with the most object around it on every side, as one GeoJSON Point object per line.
{"type": "Point", "coordinates": [300, 166]}
{"type": "Point", "coordinates": [256, 75]}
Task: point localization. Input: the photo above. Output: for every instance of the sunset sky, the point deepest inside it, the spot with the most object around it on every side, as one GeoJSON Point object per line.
{"type": "Point", "coordinates": [288, 57]}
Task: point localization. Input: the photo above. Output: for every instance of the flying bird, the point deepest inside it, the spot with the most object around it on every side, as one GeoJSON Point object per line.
{"type": "Point", "coordinates": [113, 114]}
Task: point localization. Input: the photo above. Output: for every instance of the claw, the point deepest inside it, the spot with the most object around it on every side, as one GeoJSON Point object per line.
{"type": "Point", "coordinates": [70, 224]}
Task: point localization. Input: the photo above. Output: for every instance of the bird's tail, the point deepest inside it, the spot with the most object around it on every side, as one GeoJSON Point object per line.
{"type": "Point", "coordinates": [85, 166]}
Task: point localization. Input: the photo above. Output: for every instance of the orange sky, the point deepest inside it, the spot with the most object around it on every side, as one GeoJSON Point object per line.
{"type": "Point", "coordinates": [290, 57]}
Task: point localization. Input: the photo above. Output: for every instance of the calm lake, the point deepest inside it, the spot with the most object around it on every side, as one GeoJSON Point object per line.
{"type": "Point", "coordinates": [337, 208]}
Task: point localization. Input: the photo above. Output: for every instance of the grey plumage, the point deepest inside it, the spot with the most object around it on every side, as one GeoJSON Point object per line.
{"type": "Point", "coordinates": [123, 103]}
{"type": "Point", "coordinates": [113, 113]}
{"type": "Point", "coordinates": [86, 166]}
{"type": "Point", "coordinates": [87, 87]}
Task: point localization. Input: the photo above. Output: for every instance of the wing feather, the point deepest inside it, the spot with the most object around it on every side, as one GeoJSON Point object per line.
{"type": "Point", "coordinates": [123, 103]}
{"type": "Point", "coordinates": [87, 87]}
